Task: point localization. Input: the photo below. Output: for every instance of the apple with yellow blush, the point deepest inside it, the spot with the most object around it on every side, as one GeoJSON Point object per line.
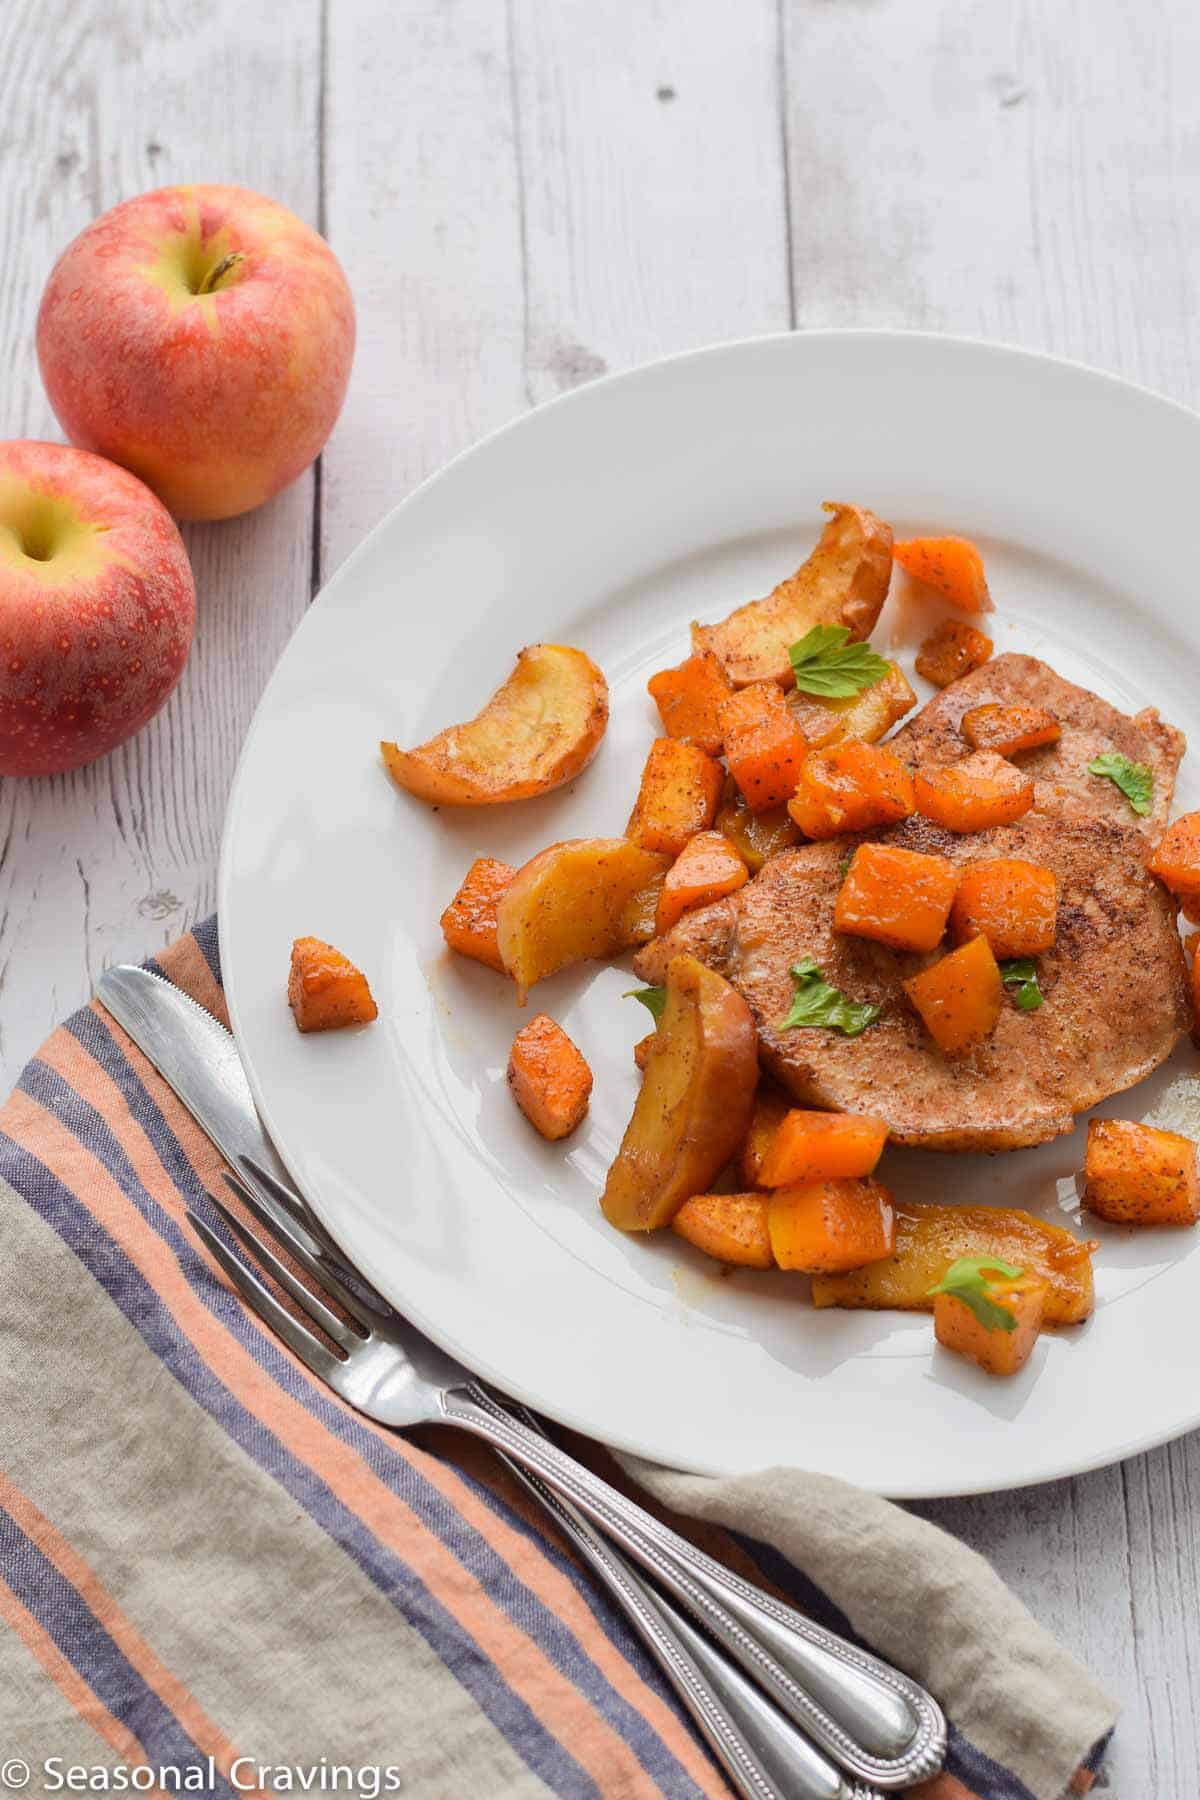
{"type": "Point", "coordinates": [202, 337]}
{"type": "Point", "coordinates": [97, 605]}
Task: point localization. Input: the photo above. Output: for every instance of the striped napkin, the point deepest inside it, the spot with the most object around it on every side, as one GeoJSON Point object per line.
{"type": "Point", "coordinates": [217, 1578]}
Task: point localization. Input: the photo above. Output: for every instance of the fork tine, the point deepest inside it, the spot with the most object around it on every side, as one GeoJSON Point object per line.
{"type": "Point", "coordinates": [261, 1300]}
{"type": "Point", "coordinates": [316, 1266]}
{"type": "Point", "coordinates": [313, 1305]}
{"type": "Point", "coordinates": [270, 1189]}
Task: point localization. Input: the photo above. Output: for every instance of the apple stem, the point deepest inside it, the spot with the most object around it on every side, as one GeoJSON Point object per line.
{"type": "Point", "coordinates": [219, 271]}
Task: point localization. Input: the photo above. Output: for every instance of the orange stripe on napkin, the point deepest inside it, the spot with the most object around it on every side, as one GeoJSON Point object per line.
{"type": "Point", "coordinates": [67, 1056]}
{"type": "Point", "coordinates": [72, 1567]}
{"type": "Point", "coordinates": [582, 1731]}
{"type": "Point", "coordinates": [72, 1686]}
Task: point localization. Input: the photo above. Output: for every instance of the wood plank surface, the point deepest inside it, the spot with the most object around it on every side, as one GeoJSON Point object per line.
{"type": "Point", "coordinates": [525, 196]}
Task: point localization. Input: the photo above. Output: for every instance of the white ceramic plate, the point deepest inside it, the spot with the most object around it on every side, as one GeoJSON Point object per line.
{"type": "Point", "coordinates": [609, 520]}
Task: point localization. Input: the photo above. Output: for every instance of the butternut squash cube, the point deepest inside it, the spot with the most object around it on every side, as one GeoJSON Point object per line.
{"type": "Point", "coordinates": [1009, 729]}
{"type": "Point", "coordinates": [821, 1146]}
{"type": "Point", "coordinates": [679, 796]}
{"type": "Point", "coordinates": [469, 922]}
{"type": "Point", "coordinates": [706, 869]}
{"type": "Point", "coordinates": [1176, 857]}
{"type": "Point", "coordinates": [897, 897]}
{"type": "Point", "coordinates": [731, 1227]}
{"type": "Point", "coordinates": [850, 787]}
{"type": "Point", "coordinates": [951, 652]}
{"type": "Point", "coordinates": [828, 1226]}
{"type": "Point", "coordinates": [959, 997]}
{"type": "Point", "coordinates": [973, 795]}
{"type": "Point", "coordinates": [689, 700]}
{"type": "Point", "coordinates": [1000, 1350]}
{"type": "Point", "coordinates": [325, 990]}
{"type": "Point", "coordinates": [549, 1078]}
{"type": "Point", "coordinates": [1138, 1175]}
{"type": "Point", "coordinates": [1010, 902]}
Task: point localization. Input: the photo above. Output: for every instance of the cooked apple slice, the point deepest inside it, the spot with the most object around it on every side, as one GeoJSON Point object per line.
{"type": "Point", "coordinates": [695, 1102]}
{"type": "Point", "coordinates": [572, 902]}
{"type": "Point", "coordinates": [844, 582]}
{"type": "Point", "coordinates": [930, 1238]}
{"type": "Point", "coordinates": [537, 731]}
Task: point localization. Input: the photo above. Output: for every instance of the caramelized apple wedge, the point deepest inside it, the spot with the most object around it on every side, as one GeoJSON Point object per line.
{"type": "Point", "coordinates": [844, 582]}
{"type": "Point", "coordinates": [695, 1102]}
{"type": "Point", "coordinates": [571, 902]}
{"type": "Point", "coordinates": [536, 732]}
{"type": "Point", "coordinates": [930, 1238]}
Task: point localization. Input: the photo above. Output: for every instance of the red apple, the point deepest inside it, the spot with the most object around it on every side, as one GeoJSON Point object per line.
{"type": "Point", "coordinates": [201, 336]}
{"type": "Point", "coordinates": [96, 607]}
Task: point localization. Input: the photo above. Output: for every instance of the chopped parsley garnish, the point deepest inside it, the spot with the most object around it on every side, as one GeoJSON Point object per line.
{"type": "Point", "coordinates": [652, 998]}
{"type": "Point", "coordinates": [825, 663]}
{"type": "Point", "coordinates": [816, 1003]}
{"type": "Point", "coordinates": [1021, 974]}
{"type": "Point", "coordinates": [1135, 780]}
{"type": "Point", "coordinates": [967, 1281]}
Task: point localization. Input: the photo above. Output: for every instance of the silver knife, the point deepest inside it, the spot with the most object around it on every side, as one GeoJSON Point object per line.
{"type": "Point", "coordinates": [762, 1753]}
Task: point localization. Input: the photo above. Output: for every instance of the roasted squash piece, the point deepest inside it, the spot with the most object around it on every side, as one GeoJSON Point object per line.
{"type": "Point", "coordinates": [821, 1146]}
{"type": "Point", "coordinates": [680, 792]}
{"type": "Point", "coordinates": [1138, 1175]}
{"type": "Point", "coordinates": [689, 700]}
{"type": "Point", "coordinates": [764, 746]}
{"type": "Point", "coordinates": [1009, 729]}
{"type": "Point", "coordinates": [897, 897]}
{"type": "Point", "coordinates": [959, 997]}
{"type": "Point", "coordinates": [325, 990]}
{"type": "Point", "coordinates": [536, 732]}
{"type": "Point", "coordinates": [850, 787]}
{"type": "Point", "coordinates": [641, 1051]}
{"type": "Point", "coordinates": [641, 910]}
{"type": "Point", "coordinates": [998, 1323]}
{"type": "Point", "coordinates": [844, 582]}
{"type": "Point", "coordinates": [568, 904]}
{"type": "Point", "coordinates": [976, 794]}
{"type": "Point", "coordinates": [827, 1226]}
{"type": "Point", "coordinates": [549, 1078]}
{"type": "Point", "coordinates": [868, 715]}
{"type": "Point", "coordinates": [771, 1107]}
{"type": "Point", "coordinates": [952, 651]}
{"type": "Point", "coordinates": [706, 869]}
{"type": "Point", "coordinates": [469, 922]}
{"type": "Point", "coordinates": [930, 1238]}
{"type": "Point", "coordinates": [695, 1102]}
{"type": "Point", "coordinates": [755, 836]}
{"type": "Point", "coordinates": [1010, 902]}
{"type": "Point", "coordinates": [1176, 857]}
{"type": "Point", "coordinates": [731, 1227]}
{"type": "Point", "coordinates": [952, 565]}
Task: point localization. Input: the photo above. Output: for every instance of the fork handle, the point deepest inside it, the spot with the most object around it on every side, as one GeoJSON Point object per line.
{"type": "Point", "coordinates": [873, 1720]}
{"type": "Point", "coordinates": [762, 1753]}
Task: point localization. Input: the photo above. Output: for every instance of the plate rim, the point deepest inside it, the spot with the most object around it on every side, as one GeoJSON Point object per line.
{"type": "Point", "coordinates": [953, 343]}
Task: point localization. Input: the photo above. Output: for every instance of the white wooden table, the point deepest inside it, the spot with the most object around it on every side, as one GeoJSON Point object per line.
{"type": "Point", "coordinates": [523, 197]}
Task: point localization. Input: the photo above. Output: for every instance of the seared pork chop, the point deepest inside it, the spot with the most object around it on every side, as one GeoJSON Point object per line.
{"type": "Point", "coordinates": [1114, 984]}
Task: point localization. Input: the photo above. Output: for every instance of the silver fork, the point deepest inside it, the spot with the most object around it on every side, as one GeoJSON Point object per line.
{"type": "Point", "coordinates": [874, 1721]}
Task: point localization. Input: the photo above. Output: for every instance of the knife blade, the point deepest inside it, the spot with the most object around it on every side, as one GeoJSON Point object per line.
{"type": "Point", "coordinates": [199, 1059]}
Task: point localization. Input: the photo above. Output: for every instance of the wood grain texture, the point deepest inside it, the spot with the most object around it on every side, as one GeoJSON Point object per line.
{"type": "Point", "coordinates": [101, 99]}
{"type": "Point", "coordinates": [524, 196]}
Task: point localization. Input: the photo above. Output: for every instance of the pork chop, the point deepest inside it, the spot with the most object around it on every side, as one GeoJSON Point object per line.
{"type": "Point", "coordinates": [1114, 984]}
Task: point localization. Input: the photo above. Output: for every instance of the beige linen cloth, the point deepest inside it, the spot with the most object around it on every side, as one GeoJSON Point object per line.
{"type": "Point", "coordinates": [214, 1577]}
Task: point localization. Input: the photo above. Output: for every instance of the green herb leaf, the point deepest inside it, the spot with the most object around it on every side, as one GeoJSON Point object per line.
{"type": "Point", "coordinates": [1021, 973]}
{"type": "Point", "coordinates": [1135, 780]}
{"type": "Point", "coordinates": [815, 1003]}
{"type": "Point", "coordinates": [967, 1281]}
{"type": "Point", "coordinates": [652, 998]}
{"type": "Point", "coordinates": [825, 663]}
